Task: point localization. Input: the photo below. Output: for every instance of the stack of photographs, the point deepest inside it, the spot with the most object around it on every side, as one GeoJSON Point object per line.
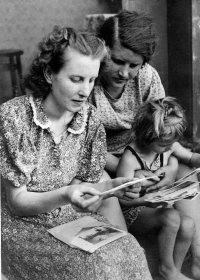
{"type": "Point", "coordinates": [182, 189]}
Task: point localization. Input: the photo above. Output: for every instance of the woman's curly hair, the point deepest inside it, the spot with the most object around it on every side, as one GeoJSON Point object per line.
{"type": "Point", "coordinates": [162, 119]}
{"type": "Point", "coordinates": [51, 54]}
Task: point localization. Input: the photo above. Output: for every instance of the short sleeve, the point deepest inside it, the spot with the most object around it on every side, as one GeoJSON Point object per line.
{"type": "Point", "coordinates": [150, 84]}
{"type": "Point", "coordinates": [13, 165]}
{"type": "Point", "coordinates": [93, 155]}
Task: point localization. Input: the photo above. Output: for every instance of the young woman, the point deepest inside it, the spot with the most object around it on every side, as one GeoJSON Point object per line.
{"type": "Point", "coordinates": [157, 128]}
{"type": "Point", "coordinates": [126, 83]}
{"type": "Point", "coordinates": [49, 139]}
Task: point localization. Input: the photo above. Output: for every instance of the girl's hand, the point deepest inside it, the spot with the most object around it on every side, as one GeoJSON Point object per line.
{"type": "Point", "coordinates": [81, 202]}
{"type": "Point", "coordinates": [152, 204]}
{"type": "Point", "coordinates": [129, 193]}
{"type": "Point", "coordinates": [170, 172]}
{"type": "Point", "coordinates": [141, 174]}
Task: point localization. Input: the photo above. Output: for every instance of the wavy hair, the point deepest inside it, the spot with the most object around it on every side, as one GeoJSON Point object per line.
{"type": "Point", "coordinates": [51, 54]}
{"type": "Point", "coordinates": [163, 119]}
{"type": "Point", "coordinates": [133, 30]}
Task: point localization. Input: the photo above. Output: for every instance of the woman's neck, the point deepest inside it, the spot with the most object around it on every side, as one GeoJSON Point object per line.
{"type": "Point", "coordinates": [114, 92]}
{"type": "Point", "coordinates": [55, 114]}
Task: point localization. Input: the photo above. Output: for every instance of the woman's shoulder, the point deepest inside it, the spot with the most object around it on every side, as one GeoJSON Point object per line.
{"type": "Point", "coordinates": [97, 93]}
{"type": "Point", "coordinates": [14, 107]}
{"type": "Point", "coordinates": [147, 72]}
{"type": "Point", "coordinates": [150, 84]}
{"type": "Point", "coordinates": [92, 113]}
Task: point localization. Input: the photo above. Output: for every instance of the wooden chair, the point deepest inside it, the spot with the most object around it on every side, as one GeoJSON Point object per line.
{"type": "Point", "coordinates": [13, 65]}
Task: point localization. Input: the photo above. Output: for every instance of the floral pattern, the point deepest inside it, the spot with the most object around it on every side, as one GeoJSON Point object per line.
{"type": "Point", "coordinates": [117, 115]}
{"type": "Point", "coordinates": [30, 156]}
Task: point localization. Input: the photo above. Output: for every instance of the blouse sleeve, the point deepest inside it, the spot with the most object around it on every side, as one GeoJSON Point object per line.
{"type": "Point", "coordinates": [12, 166]}
{"type": "Point", "coordinates": [93, 156]}
{"type": "Point", "coordinates": [150, 83]}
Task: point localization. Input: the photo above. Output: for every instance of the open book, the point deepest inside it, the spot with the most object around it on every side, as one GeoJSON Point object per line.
{"type": "Point", "coordinates": [86, 233]}
{"type": "Point", "coordinates": [182, 188]}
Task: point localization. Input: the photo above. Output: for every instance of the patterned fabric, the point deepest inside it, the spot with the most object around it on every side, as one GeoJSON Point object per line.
{"type": "Point", "coordinates": [117, 115]}
{"type": "Point", "coordinates": [131, 214]}
{"type": "Point", "coordinates": [154, 165]}
{"type": "Point", "coordinates": [30, 156]}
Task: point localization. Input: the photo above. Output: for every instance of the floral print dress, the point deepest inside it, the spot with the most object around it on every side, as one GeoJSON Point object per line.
{"type": "Point", "coordinates": [117, 115]}
{"type": "Point", "coordinates": [30, 156]}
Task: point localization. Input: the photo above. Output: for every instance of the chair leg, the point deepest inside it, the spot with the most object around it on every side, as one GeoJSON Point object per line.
{"type": "Point", "coordinates": [19, 69]}
{"type": "Point", "coordinates": [13, 77]}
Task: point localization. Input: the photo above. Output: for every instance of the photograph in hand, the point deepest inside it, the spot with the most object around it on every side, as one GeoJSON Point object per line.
{"type": "Point", "coordinates": [112, 191]}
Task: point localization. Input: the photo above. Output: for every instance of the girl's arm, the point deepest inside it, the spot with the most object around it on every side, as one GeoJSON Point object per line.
{"type": "Point", "coordinates": [169, 171]}
{"type": "Point", "coordinates": [186, 156]}
{"type": "Point", "coordinates": [195, 160]}
{"type": "Point", "coordinates": [126, 168]}
{"type": "Point", "coordinates": [111, 163]}
{"type": "Point", "coordinates": [127, 165]}
{"type": "Point", "coordinates": [75, 182]}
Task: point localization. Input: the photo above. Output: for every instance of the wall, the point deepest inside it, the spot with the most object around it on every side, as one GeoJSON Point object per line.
{"type": "Point", "coordinates": [24, 22]}
{"type": "Point", "coordinates": [184, 62]}
{"type": "Point", "coordinates": [158, 11]}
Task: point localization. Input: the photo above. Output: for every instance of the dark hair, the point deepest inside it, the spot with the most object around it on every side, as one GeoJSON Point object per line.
{"type": "Point", "coordinates": [163, 119]}
{"type": "Point", "coordinates": [133, 30]}
{"type": "Point", "coordinates": [51, 54]}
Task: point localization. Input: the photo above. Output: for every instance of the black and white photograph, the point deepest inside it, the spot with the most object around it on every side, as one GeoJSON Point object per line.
{"type": "Point", "coordinates": [100, 139]}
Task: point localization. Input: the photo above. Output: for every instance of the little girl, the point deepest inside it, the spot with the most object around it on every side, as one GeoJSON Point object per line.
{"type": "Point", "coordinates": [157, 128]}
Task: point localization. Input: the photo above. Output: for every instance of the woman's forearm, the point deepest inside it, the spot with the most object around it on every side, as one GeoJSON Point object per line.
{"type": "Point", "coordinates": [24, 203]}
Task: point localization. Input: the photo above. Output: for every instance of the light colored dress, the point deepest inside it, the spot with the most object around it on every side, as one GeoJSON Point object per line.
{"type": "Point", "coordinates": [29, 155]}
{"type": "Point", "coordinates": [117, 115]}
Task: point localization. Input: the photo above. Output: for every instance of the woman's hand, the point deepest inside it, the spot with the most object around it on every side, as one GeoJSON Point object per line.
{"type": "Point", "coordinates": [127, 193]}
{"type": "Point", "coordinates": [169, 172]}
{"type": "Point", "coordinates": [84, 198]}
{"type": "Point", "coordinates": [80, 195]}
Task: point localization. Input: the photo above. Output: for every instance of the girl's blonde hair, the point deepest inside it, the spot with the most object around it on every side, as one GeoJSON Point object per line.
{"type": "Point", "coordinates": [163, 119]}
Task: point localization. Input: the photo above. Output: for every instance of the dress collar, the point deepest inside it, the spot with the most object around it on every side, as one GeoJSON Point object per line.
{"type": "Point", "coordinates": [76, 126]}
